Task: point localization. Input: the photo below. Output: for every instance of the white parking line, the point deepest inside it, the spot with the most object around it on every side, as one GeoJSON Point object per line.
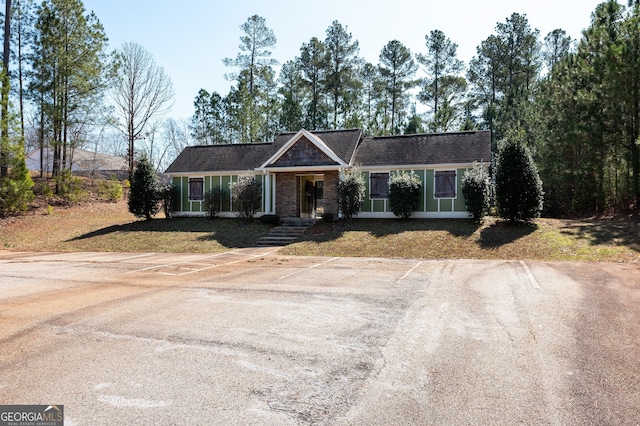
{"type": "Point", "coordinates": [532, 279]}
{"type": "Point", "coordinates": [406, 274]}
{"type": "Point", "coordinates": [310, 267]}
{"type": "Point", "coordinates": [196, 262]}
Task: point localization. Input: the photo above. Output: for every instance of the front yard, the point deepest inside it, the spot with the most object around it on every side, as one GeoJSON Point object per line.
{"type": "Point", "coordinates": [103, 226]}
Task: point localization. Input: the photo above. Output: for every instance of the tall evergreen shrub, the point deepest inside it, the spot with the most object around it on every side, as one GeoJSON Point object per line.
{"type": "Point", "coordinates": [145, 195]}
{"type": "Point", "coordinates": [519, 195]}
{"type": "Point", "coordinates": [476, 189]}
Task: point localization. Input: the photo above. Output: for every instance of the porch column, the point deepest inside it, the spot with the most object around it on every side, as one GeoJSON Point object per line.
{"type": "Point", "coordinates": [267, 192]}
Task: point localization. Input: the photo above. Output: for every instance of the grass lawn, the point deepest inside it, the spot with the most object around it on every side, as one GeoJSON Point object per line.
{"type": "Point", "coordinates": [103, 226]}
{"type": "Point", "coordinates": [547, 239]}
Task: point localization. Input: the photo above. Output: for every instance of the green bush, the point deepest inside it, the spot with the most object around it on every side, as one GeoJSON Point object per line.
{"type": "Point", "coordinates": [351, 189]}
{"type": "Point", "coordinates": [213, 201]}
{"type": "Point", "coordinates": [42, 187]}
{"type": "Point", "coordinates": [144, 196]}
{"type": "Point", "coordinates": [110, 190]}
{"type": "Point", "coordinates": [16, 187]}
{"type": "Point", "coordinates": [168, 198]}
{"type": "Point", "coordinates": [519, 195]}
{"type": "Point", "coordinates": [15, 195]}
{"type": "Point", "coordinates": [247, 195]}
{"type": "Point", "coordinates": [70, 188]}
{"type": "Point", "coordinates": [404, 193]}
{"type": "Point", "coordinates": [476, 189]}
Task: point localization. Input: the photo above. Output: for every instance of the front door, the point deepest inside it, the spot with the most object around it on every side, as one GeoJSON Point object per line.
{"type": "Point", "coordinates": [310, 196]}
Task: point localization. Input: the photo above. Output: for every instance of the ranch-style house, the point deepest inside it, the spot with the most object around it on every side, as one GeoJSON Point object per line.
{"type": "Point", "coordinates": [299, 172]}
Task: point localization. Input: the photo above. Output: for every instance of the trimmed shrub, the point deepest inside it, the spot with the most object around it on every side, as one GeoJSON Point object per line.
{"type": "Point", "coordinates": [476, 189]}
{"type": "Point", "coordinates": [519, 195]}
{"type": "Point", "coordinates": [213, 201]}
{"type": "Point", "coordinates": [351, 189]}
{"type": "Point", "coordinates": [168, 198]}
{"type": "Point", "coordinates": [247, 195]}
{"type": "Point", "coordinates": [404, 193]}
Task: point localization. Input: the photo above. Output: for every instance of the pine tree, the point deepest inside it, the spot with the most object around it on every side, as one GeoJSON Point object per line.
{"type": "Point", "coordinates": [254, 78]}
{"type": "Point", "coordinates": [69, 70]}
{"type": "Point", "coordinates": [342, 65]}
{"type": "Point", "coordinates": [15, 187]}
{"type": "Point", "coordinates": [145, 195]}
{"type": "Point", "coordinates": [504, 75]}
{"type": "Point", "coordinates": [313, 63]}
{"type": "Point", "coordinates": [397, 69]}
{"type": "Point", "coordinates": [443, 88]}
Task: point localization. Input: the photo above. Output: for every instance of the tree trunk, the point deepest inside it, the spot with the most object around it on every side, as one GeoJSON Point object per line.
{"type": "Point", "coordinates": [4, 155]}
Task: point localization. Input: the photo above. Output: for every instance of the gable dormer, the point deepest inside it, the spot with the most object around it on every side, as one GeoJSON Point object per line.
{"type": "Point", "coordinates": [304, 149]}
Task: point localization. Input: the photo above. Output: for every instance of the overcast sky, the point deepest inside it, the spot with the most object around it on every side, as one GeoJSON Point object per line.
{"type": "Point", "coordinates": [190, 38]}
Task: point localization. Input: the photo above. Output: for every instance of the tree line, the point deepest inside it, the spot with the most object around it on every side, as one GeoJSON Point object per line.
{"type": "Point", "coordinates": [62, 84]}
{"type": "Point", "coordinates": [577, 102]}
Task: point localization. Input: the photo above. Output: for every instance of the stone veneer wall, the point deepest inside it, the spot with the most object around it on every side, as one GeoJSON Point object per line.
{"type": "Point", "coordinates": [286, 195]}
{"type": "Point", "coordinates": [331, 192]}
{"type": "Point", "coordinates": [288, 188]}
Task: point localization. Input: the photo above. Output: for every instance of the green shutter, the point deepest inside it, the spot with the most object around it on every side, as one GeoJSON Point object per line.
{"type": "Point", "coordinates": [460, 205]}
{"type": "Point", "coordinates": [432, 203]}
{"type": "Point", "coordinates": [366, 202]}
{"type": "Point", "coordinates": [226, 204]}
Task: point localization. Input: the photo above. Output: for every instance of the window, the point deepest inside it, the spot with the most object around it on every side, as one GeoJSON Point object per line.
{"type": "Point", "coordinates": [379, 185]}
{"type": "Point", "coordinates": [196, 189]}
{"type": "Point", "coordinates": [445, 184]}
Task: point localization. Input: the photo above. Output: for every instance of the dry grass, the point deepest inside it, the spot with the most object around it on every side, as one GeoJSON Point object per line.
{"type": "Point", "coordinates": [548, 239]}
{"type": "Point", "coordinates": [102, 226]}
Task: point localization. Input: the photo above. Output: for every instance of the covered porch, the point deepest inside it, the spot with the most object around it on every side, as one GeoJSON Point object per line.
{"type": "Point", "coordinates": [304, 194]}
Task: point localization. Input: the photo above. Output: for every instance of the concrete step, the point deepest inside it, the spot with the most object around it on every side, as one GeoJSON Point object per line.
{"type": "Point", "coordinates": [290, 230]}
{"type": "Point", "coordinates": [275, 241]}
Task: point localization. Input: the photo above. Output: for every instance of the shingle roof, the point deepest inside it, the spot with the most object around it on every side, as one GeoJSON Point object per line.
{"type": "Point", "coordinates": [435, 148]}
{"type": "Point", "coordinates": [238, 157]}
{"type": "Point", "coordinates": [209, 158]}
{"type": "Point", "coordinates": [432, 148]}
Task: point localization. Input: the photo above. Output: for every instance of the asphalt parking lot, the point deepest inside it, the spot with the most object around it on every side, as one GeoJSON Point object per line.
{"type": "Point", "coordinates": [253, 337]}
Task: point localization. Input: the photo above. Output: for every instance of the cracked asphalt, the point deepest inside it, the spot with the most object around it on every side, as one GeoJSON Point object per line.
{"type": "Point", "coordinates": [253, 337]}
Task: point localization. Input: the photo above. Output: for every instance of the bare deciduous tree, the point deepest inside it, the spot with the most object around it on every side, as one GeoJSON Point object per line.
{"type": "Point", "coordinates": [141, 91]}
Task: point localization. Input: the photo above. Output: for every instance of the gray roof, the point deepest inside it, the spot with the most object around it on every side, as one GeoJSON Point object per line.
{"type": "Point", "coordinates": [432, 148]}
{"type": "Point", "coordinates": [435, 148]}
{"type": "Point", "coordinates": [222, 158]}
